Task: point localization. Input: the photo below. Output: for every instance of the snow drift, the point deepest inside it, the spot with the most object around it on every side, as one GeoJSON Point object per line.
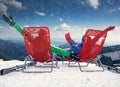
{"type": "Point", "coordinates": [63, 77]}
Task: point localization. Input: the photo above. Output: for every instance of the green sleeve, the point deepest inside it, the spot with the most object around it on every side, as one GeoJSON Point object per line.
{"type": "Point", "coordinates": [18, 28]}
{"type": "Point", "coordinates": [60, 51]}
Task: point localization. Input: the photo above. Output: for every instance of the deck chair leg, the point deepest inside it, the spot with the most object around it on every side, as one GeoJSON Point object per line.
{"type": "Point", "coordinates": [27, 66]}
{"type": "Point", "coordinates": [73, 64]}
{"type": "Point", "coordinates": [80, 67]}
{"type": "Point", "coordinates": [63, 59]}
{"type": "Point", "coordinates": [56, 62]}
{"type": "Point", "coordinates": [85, 65]}
{"type": "Point", "coordinates": [101, 70]}
{"type": "Point", "coordinates": [100, 64]}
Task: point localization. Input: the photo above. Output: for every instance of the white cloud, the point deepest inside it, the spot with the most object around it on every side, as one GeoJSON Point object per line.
{"type": "Point", "coordinates": [112, 10]}
{"type": "Point", "coordinates": [3, 8]}
{"type": "Point", "coordinates": [1, 26]}
{"type": "Point", "coordinates": [9, 33]}
{"type": "Point", "coordinates": [61, 19]}
{"type": "Point", "coordinates": [65, 26]}
{"type": "Point", "coordinates": [119, 8]}
{"type": "Point", "coordinates": [94, 3]}
{"type": "Point", "coordinates": [14, 3]}
{"type": "Point", "coordinates": [41, 13]}
{"type": "Point", "coordinates": [113, 37]}
{"type": "Point", "coordinates": [82, 2]}
{"type": "Point", "coordinates": [58, 33]}
{"type": "Point", "coordinates": [4, 4]}
{"type": "Point", "coordinates": [26, 26]}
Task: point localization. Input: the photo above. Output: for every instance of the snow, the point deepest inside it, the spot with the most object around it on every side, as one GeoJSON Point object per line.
{"type": "Point", "coordinates": [63, 77]}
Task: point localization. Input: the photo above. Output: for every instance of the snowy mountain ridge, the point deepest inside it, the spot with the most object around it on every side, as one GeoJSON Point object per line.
{"type": "Point", "coordinates": [13, 50]}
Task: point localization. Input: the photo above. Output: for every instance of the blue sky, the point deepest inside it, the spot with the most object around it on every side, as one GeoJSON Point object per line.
{"type": "Point", "coordinates": [63, 16]}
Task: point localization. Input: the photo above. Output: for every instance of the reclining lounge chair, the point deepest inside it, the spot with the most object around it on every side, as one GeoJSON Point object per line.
{"type": "Point", "coordinates": [37, 42]}
{"type": "Point", "coordinates": [92, 46]}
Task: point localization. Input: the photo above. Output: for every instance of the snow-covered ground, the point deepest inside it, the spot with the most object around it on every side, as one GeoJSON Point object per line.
{"type": "Point", "coordinates": [63, 77]}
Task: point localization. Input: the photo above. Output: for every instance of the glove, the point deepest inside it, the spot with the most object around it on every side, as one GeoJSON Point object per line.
{"type": "Point", "coordinates": [68, 37]}
{"type": "Point", "coordinates": [8, 19]}
{"type": "Point", "coordinates": [110, 28]}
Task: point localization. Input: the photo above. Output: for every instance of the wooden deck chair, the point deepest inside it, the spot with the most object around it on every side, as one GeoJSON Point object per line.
{"type": "Point", "coordinates": [37, 42]}
{"type": "Point", "coordinates": [92, 46]}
